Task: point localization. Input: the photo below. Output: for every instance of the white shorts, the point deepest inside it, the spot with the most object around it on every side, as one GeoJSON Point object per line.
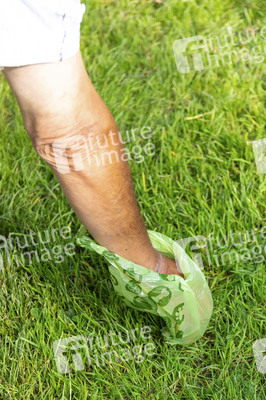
{"type": "Point", "coordinates": [39, 31]}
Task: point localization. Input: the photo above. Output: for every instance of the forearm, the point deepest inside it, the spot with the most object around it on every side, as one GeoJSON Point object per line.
{"type": "Point", "coordinates": [103, 198]}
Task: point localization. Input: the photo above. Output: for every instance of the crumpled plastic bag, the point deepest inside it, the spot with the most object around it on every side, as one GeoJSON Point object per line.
{"type": "Point", "coordinates": [184, 304]}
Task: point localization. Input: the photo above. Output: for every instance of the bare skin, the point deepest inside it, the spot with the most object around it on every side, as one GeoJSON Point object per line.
{"type": "Point", "coordinates": [59, 105]}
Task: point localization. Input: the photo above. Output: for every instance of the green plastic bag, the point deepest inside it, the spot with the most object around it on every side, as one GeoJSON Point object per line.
{"type": "Point", "coordinates": [184, 304]}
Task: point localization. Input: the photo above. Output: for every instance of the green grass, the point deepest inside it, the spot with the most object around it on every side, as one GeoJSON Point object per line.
{"type": "Point", "coordinates": [202, 179]}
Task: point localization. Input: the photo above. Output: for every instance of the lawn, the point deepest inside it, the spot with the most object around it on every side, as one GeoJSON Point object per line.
{"type": "Point", "coordinates": [200, 180]}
